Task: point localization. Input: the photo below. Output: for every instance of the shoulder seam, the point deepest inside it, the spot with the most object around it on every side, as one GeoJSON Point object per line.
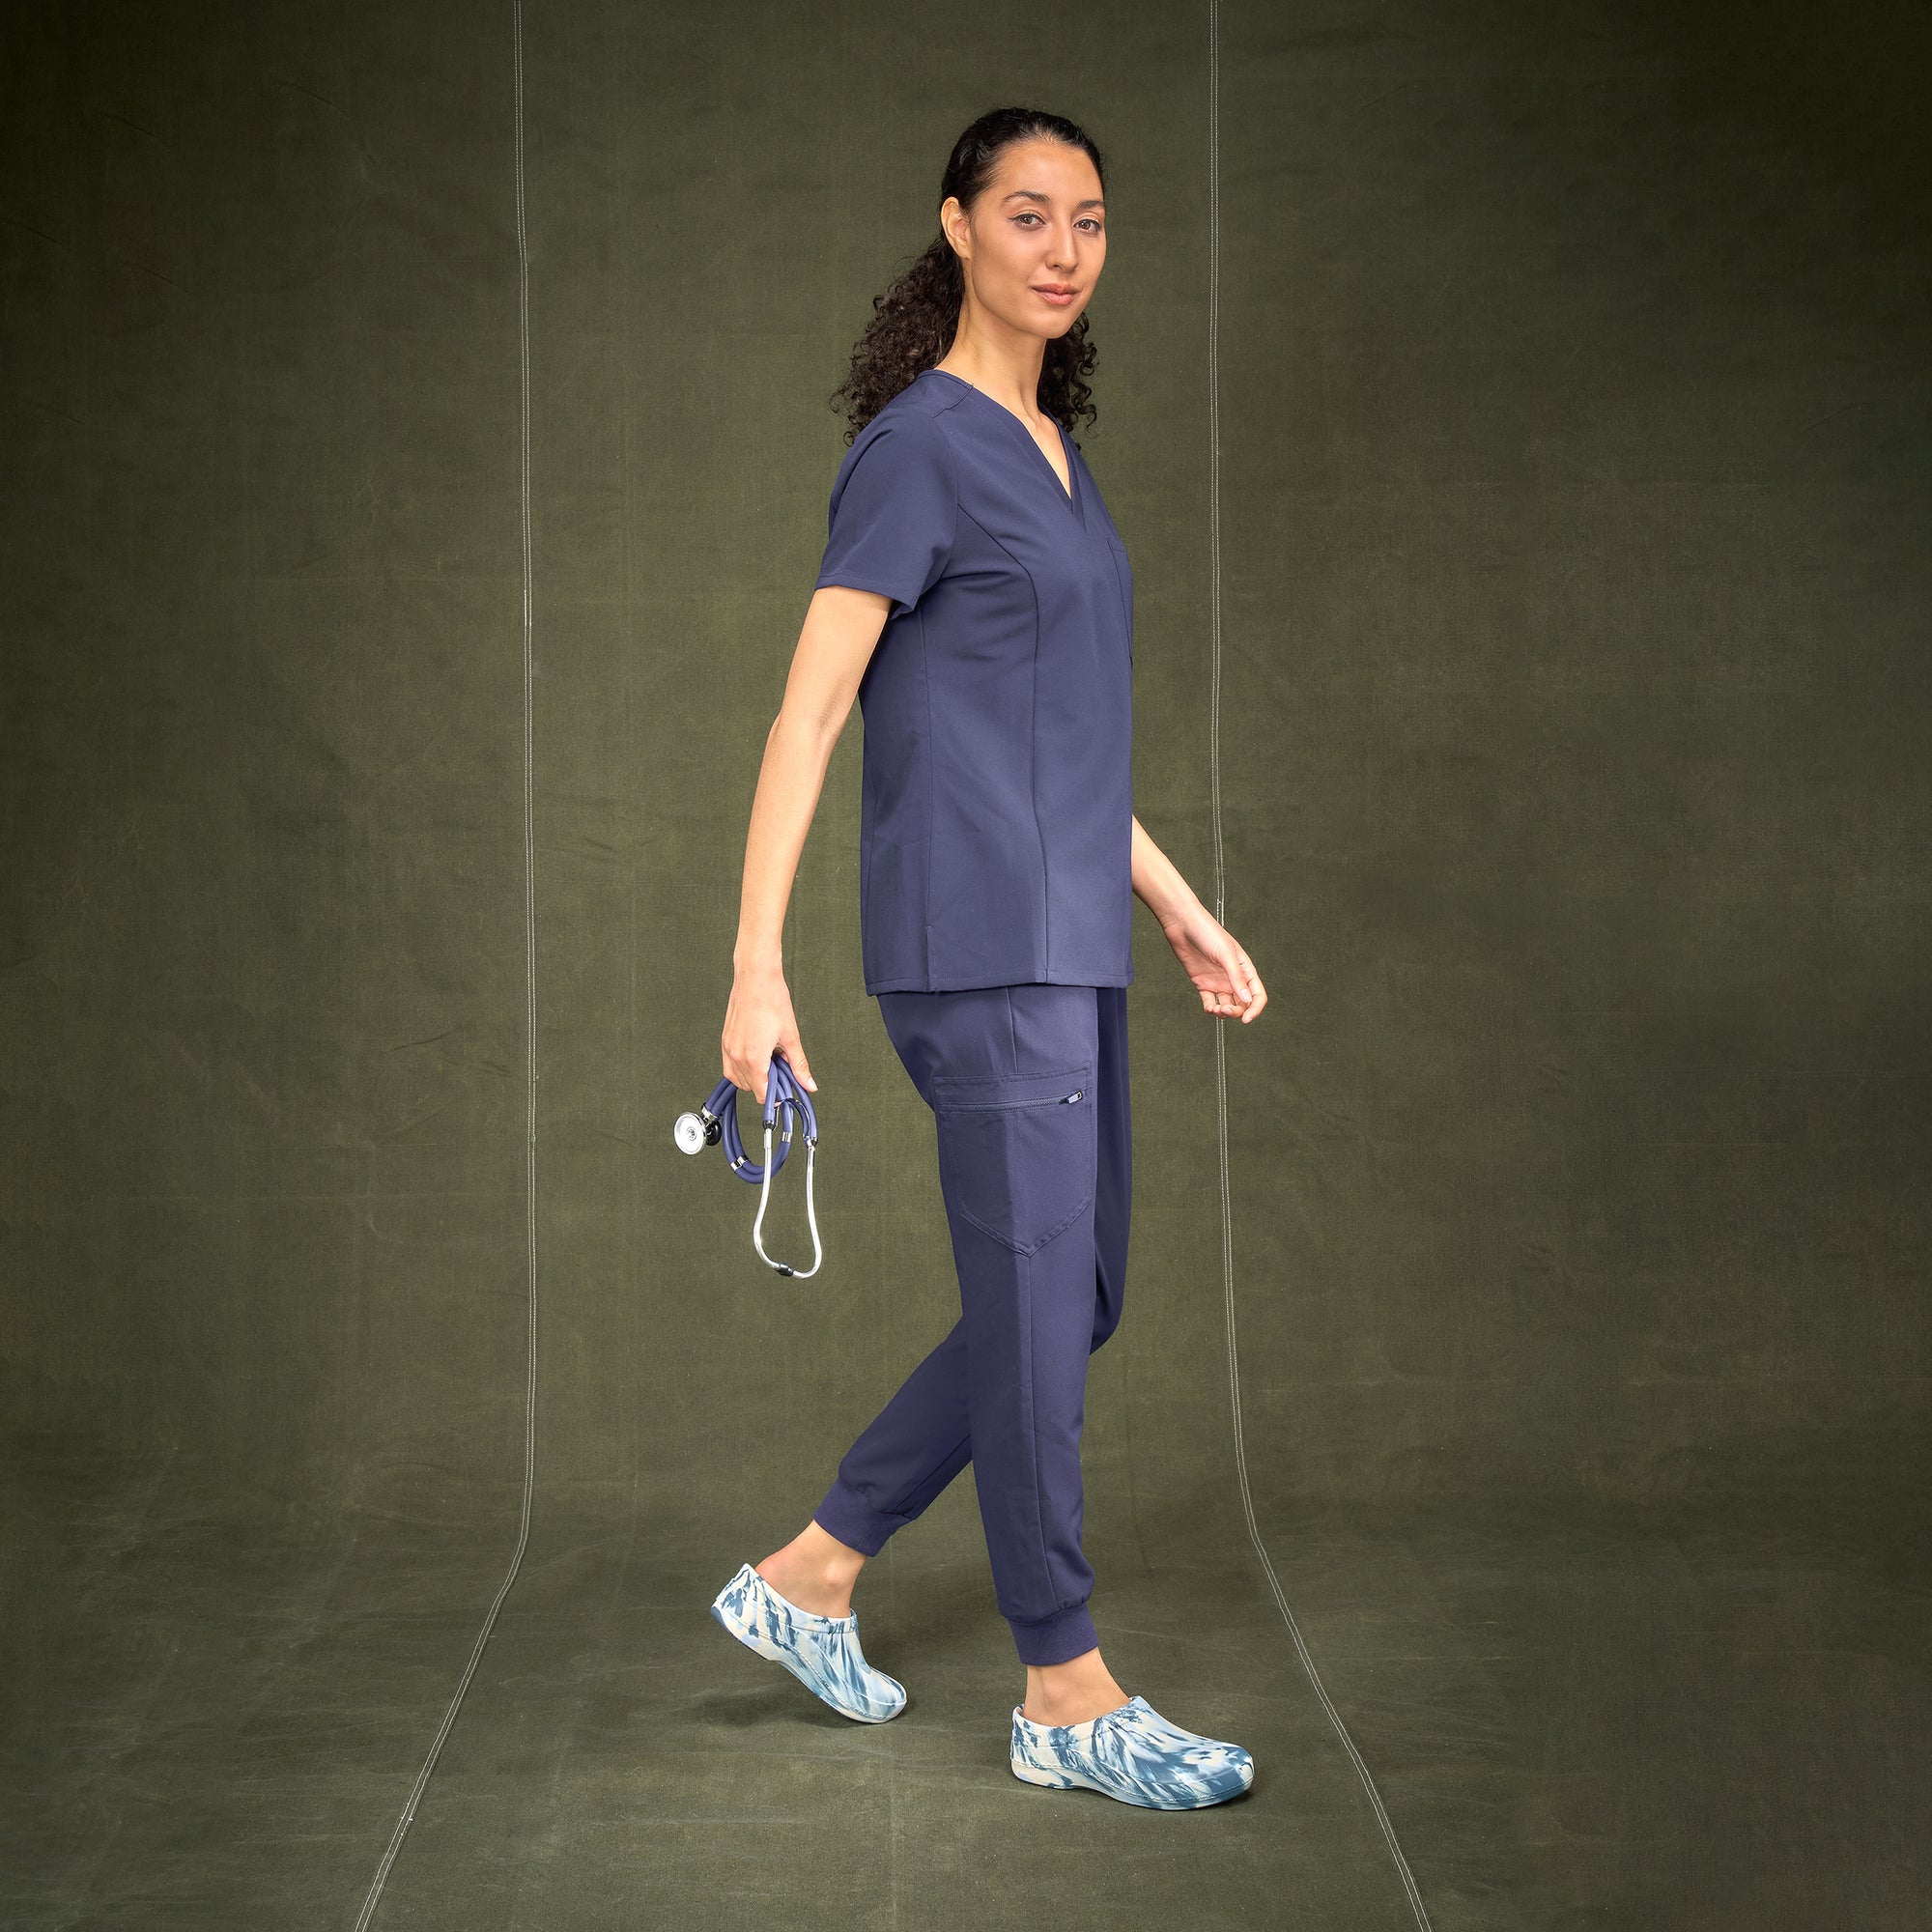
{"type": "Point", "coordinates": [953, 470]}
{"type": "Point", "coordinates": [929, 406]}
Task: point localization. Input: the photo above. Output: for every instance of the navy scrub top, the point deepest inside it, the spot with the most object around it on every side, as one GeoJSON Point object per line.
{"type": "Point", "coordinates": [996, 823]}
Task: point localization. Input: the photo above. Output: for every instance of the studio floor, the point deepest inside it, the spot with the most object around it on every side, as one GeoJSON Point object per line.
{"type": "Point", "coordinates": [1574, 1718]}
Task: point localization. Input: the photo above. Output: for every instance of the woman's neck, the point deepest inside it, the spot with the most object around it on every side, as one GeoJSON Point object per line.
{"type": "Point", "coordinates": [1004, 363]}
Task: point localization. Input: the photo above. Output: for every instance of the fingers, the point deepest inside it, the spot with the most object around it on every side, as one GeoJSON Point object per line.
{"type": "Point", "coordinates": [754, 1077]}
{"type": "Point", "coordinates": [1245, 997]}
{"type": "Point", "coordinates": [750, 1072]}
{"type": "Point", "coordinates": [751, 1077]}
{"type": "Point", "coordinates": [795, 1053]}
{"type": "Point", "coordinates": [1250, 995]}
{"type": "Point", "coordinates": [1257, 993]}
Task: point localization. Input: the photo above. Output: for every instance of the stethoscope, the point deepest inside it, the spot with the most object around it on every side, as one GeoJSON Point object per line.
{"type": "Point", "coordinates": [718, 1120]}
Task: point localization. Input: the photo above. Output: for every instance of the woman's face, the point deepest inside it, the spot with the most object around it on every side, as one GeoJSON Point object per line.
{"type": "Point", "coordinates": [1037, 229]}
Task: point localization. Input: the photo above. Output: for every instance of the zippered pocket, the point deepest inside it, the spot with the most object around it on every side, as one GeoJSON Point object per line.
{"type": "Point", "coordinates": [1043, 1101]}
{"type": "Point", "coordinates": [971, 1091]}
{"type": "Point", "coordinates": [1017, 1151]}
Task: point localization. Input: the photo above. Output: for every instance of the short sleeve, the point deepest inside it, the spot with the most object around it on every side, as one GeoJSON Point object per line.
{"type": "Point", "coordinates": [892, 512]}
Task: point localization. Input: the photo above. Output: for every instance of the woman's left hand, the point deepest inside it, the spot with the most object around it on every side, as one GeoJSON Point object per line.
{"type": "Point", "coordinates": [1223, 974]}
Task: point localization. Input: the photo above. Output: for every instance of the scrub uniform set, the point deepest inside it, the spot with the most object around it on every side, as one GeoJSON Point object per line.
{"type": "Point", "coordinates": [996, 903]}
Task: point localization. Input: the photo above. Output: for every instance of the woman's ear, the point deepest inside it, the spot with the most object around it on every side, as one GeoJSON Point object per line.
{"type": "Point", "coordinates": [955, 225]}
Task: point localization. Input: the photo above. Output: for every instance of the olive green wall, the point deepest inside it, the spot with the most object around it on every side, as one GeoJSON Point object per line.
{"type": "Point", "coordinates": [1574, 492]}
{"type": "Point", "coordinates": [264, 1012]}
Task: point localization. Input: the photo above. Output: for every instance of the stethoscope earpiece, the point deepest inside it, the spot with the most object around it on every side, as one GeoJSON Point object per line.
{"type": "Point", "coordinates": [718, 1120]}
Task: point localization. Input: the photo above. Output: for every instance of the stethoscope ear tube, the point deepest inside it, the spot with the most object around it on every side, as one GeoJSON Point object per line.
{"type": "Point", "coordinates": [718, 1120]}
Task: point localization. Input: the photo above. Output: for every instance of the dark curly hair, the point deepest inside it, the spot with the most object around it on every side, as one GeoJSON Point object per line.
{"type": "Point", "coordinates": [915, 321]}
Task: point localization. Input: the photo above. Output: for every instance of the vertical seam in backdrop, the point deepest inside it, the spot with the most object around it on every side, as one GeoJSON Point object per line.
{"type": "Point", "coordinates": [1220, 901]}
{"type": "Point", "coordinates": [408, 1818]}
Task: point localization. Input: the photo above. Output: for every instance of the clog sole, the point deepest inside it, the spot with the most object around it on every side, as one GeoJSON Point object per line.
{"type": "Point", "coordinates": [1073, 1780]}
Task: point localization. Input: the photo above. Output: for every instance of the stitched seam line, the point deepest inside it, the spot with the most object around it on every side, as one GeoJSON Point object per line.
{"type": "Point", "coordinates": [951, 1079]}
{"type": "Point", "coordinates": [1008, 1241]}
{"type": "Point", "coordinates": [1033, 730]}
{"type": "Point", "coordinates": [913, 1489]}
{"type": "Point", "coordinates": [1033, 1435]}
{"type": "Point", "coordinates": [925, 681]}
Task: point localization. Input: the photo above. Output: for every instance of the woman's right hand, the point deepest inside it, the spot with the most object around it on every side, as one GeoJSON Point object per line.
{"type": "Point", "coordinates": [758, 1020]}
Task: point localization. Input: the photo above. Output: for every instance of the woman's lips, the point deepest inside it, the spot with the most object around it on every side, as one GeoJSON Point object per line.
{"type": "Point", "coordinates": [1059, 297]}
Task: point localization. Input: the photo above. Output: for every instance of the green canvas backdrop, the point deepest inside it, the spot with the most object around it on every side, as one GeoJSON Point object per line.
{"type": "Point", "coordinates": [1573, 699]}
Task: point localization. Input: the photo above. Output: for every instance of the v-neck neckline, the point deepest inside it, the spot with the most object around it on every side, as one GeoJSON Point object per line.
{"type": "Point", "coordinates": [1069, 491]}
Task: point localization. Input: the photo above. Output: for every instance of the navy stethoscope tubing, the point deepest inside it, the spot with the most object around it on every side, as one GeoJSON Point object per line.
{"type": "Point", "coordinates": [718, 1120]}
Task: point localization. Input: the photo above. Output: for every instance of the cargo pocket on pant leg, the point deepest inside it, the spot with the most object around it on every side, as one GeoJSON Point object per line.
{"type": "Point", "coordinates": [1017, 1151]}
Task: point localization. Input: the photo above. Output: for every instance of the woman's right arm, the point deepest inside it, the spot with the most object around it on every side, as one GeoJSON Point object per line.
{"type": "Point", "coordinates": [842, 630]}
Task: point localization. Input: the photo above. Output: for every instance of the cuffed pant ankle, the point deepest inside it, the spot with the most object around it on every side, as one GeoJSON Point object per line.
{"type": "Point", "coordinates": [1028, 1085]}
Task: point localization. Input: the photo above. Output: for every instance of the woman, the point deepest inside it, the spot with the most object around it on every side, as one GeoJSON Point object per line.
{"type": "Point", "coordinates": [976, 597]}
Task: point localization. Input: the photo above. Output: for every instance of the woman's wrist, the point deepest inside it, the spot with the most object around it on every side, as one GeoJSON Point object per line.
{"type": "Point", "coordinates": [752, 963]}
{"type": "Point", "coordinates": [1174, 904]}
{"type": "Point", "coordinates": [1159, 885]}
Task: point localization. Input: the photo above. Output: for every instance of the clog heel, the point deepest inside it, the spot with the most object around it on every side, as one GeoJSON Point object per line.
{"type": "Point", "coordinates": [822, 1653]}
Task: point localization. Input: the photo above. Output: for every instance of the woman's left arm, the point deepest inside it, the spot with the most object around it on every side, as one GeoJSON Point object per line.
{"type": "Point", "coordinates": [1223, 974]}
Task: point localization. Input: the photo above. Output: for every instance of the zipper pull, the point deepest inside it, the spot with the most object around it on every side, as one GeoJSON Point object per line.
{"type": "Point", "coordinates": [1064, 1099]}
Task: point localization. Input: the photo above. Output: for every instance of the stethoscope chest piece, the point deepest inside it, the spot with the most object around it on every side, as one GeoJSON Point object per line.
{"type": "Point", "coordinates": [717, 1121]}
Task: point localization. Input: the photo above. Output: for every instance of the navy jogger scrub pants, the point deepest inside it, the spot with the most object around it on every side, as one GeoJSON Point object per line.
{"type": "Point", "coordinates": [1028, 1085]}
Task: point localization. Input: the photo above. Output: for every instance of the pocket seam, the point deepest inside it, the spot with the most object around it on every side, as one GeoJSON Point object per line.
{"type": "Point", "coordinates": [1008, 1241]}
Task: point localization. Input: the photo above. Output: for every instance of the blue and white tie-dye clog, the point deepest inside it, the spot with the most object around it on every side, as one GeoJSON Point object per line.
{"type": "Point", "coordinates": [1134, 1755]}
{"type": "Point", "coordinates": [821, 1652]}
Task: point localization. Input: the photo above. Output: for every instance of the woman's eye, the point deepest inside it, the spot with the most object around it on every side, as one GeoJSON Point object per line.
{"type": "Point", "coordinates": [1087, 221]}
